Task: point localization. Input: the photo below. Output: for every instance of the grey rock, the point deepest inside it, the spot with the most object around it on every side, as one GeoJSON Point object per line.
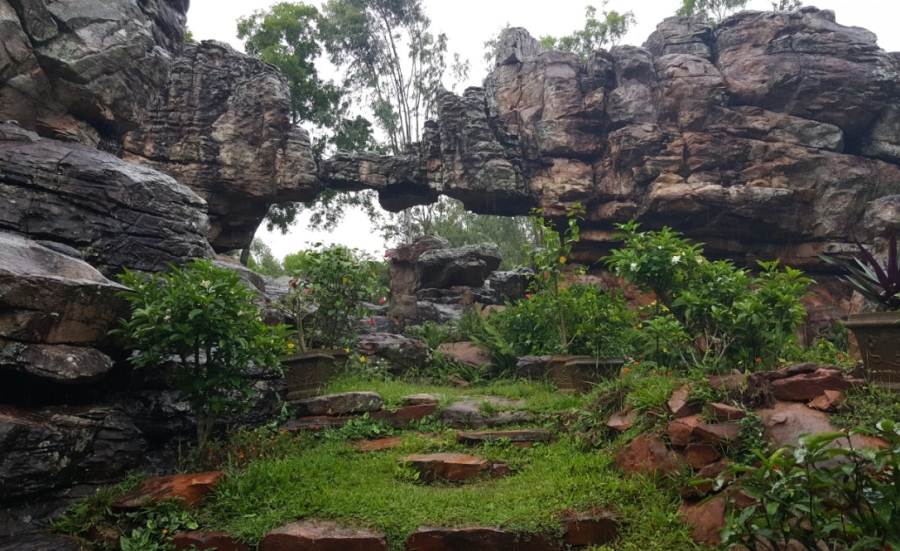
{"type": "Point", "coordinates": [56, 363]}
{"type": "Point", "coordinates": [510, 285]}
{"type": "Point", "coordinates": [469, 265]}
{"type": "Point", "coordinates": [339, 404]}
{"type": "Point", "coordinates": [401, 352]}
{"type": "Point", "coordinates": [116, 213]}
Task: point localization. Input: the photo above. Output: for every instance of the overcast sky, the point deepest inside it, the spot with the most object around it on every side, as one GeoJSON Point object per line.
{"type": "Point", "coordinates": [468, 23]}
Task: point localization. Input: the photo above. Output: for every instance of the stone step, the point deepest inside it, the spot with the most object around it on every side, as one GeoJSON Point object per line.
{"type": "Point", "coordinates": [317, 422]}
{"type": "Point", "coordinates": [581, 529]}
{"type": "Point", "coordinates": [401, 417]}
{"type": "Point", "coordinates": [379, 444]}
{"type": "Point", "coordinates": [202, 540]}
{"type": "Point", "coordinates": [480, 538]}
{"type": "Point", "coordinates": [521, 437]}
{"type": "Point", "coordinates": [321, 536]}
{"type": "Point", "coordinates": [190, 488]}
{"type": "Point", "coordinates": [451, 467]}
{"type": "Point", "coordinates": [339, 404]}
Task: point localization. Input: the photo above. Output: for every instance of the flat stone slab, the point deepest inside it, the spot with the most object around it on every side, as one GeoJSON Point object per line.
{"type": "Point", "coordinates": [190, 488]}
{"type": "Point", "coordinates": [523, 436]}
{"type": "Point", "coordinates": [321, 536]}
{"type": "Point", "coordinates": [476, 538]}
{"type": "Point", "coordinates": [468, 413]}
{"type": "Point", "coordinates": [622, 420]}
{"type": "Point", "coordinates": [724, 412]}
{"type": "Point", "coordinates": [202, 540]}
{"type": "Point", "coordinates": [807, 386]}
{"type": "Point", "coordinates": [582, 529]}
{"type": "Point", "coordinates": [378, 445]}
{"type": "Point", "coordinates": [316, 422]}
{"type": "Point", "coordinates": [401, 417]}
{"type": "Point", "coordinates": [452, 467]}
{"type": "Point", "coordinates": [419, 400]}
{"type": "Point", "coordinates": [340, 404]}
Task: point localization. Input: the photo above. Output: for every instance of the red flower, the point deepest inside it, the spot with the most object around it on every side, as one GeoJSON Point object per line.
{"type": "Point", "coordinates": [381, 300]}
{"type": "Point", "coordinates": [546, 275]}
{"type": "Point", "coordinates": [527, 295]}
{"type": "Point", "coordinates": [387, 255]}
{"type": "Point", "coordinates": [372, 321]}
{"type": "Point", "coordinates": [293, 283]}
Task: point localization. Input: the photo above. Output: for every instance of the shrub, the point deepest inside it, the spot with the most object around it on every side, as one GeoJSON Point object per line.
{"type": "Point", "coordinates": [816, 493]}
{"type": "Point", "coordinates": [205, 320]}
{"type": "Point", "coordinates": [331, 283]}
{"type": "Point", "coordinates": [724, 313]}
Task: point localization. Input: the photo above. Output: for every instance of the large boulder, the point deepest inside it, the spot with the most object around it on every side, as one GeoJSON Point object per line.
{"type": "Point", "coordinates": [116, 214]}
{"type": "Point", "coordinates": [84, 70]}
{"type": "Point", "coordinates": [53, 447]}
{"type": "Point", "coordinates": [469, 266]}
{"type": "Point", "coordinates": [50, 298]}
{"type": "Point", "coordinates": [223, 127]}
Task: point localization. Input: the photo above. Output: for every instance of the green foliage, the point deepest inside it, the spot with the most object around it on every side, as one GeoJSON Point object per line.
{"type": "Point", "coordinates": [156, 526]}
{"type": "Point", "coordinates": [711, 10]}
{"type": "Point", "coordinates": [262, 261]}
{"type": "Point", "coordinates": [491, 45]}
{"type": "Point", "coordinates": [845, 497]}
{"type": "Point", "coordinates": [711, 312]}
{"type": "Point", "coordinates": [189, 36]}
{"type": "Point", "coordinates": [205, 320]}
{"type": "Point", "coordinates": [433, 334]}
{"type": "Point", "coordinates": [330, 284]}
{"type": "Point", "coordinates": [786, 5]}
{"type": "Point", "coordinates": [389, 57]}
{"type": "Point", "coordinates": [609, 29]}
{"type": "Point", "coordinates": [865, 406]}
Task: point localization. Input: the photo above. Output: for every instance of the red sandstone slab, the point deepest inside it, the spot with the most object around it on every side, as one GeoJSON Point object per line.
{"type": "Point", "coordinates": [378, 445]}
{"type": "Point", "coordinates": [715, 433]}
{"type": "Point", "coordinates": [401, 417]}
{"type": "Point", "coordinates": [679, 431]}
{"type": "Point", "coordinates": [453, 467]}
{"type": "Point", "coordinates": [189, 488]}
{"type": "Point", "coordinates": [594, 528]}
{"type": "Point", "coordinates": [699, 455]}
{"type": "Point", "coordinates": [829, 401]}
{"type": "Point", "coordinates": [202, 540]}
{"type": "Point", "coordinates": [647, 454]}
{"type": "Point", "coordinates": [321, 536]}
{"type": "Point", "coordinates": [680, 403]}
{"type": "Point", "coordinates": [476, 538]}
{"type": "Point", "coordinates": [807, 386]}
{"type": "Point", "coordinates": [724, 412]}
{"type": "Point", "coordinates": [622, 420]}
{"type": "Point", "coordinates": [706, 519]}
{"type": "Point", "coordinates": [340, 404]}
{"type": "Point", "coordinates": [316, 422]}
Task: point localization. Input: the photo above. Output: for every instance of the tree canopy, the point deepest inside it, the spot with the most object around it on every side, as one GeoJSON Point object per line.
{"type": "Point", "coordinates": [597, 33]}
{"type": "Point", "coordinates": [712, 10]}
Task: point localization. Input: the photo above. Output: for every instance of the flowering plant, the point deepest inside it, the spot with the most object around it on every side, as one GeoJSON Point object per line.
{"type": "Point", "coordinates": [328, 290]}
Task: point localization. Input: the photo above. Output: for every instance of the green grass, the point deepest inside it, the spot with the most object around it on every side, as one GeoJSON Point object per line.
{"type": "Point", "coordinates": [334, 481]}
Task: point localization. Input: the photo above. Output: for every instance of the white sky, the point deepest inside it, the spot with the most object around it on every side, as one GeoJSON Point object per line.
{"type": "Point", "coordinates": [468, 23]}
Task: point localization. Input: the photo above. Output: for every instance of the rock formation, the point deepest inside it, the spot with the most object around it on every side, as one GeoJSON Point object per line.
{"type": "Point", "coordinates": [222, 126]}
{"type": "Point", "coordinates": [770, 135]}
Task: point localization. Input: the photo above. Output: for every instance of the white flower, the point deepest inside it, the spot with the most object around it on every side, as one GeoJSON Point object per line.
{"type": "Point", "coordinates": [634, 266]}
{"type": "Point", "coordinates": [676, 259]}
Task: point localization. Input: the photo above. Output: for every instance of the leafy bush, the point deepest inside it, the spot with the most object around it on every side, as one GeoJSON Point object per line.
{"type": "Point", "coordinates": [331, 283]}
{"type": "Point", "coordinates": [205, 320]}
{"type": "Point", "coordinates": [847, 498]}
{"type": "Point", "coordinates": [712, 312]}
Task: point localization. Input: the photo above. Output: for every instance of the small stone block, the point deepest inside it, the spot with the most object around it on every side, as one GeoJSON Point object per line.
{"type": "Point", "coordinates": [316, 422]}
{"type": "Point", "coordinates": [622, 420]}
{"type": "Point", "coordinates": [829, 401]}
{"type": "Point", "coordinates": [700, 455]}
{"type": "Point", "coordinates": [401, 417]}
{"type": "Point", "coordinates": [340, 404]}
{"type": "Point", "coordinates": [584, 529]}
{"type": "Point", "coordinates": [500, 470]}
{"type": "Point", "coordinates": [514, 436]}
{"type": "Point", "coordinates": [189, 488]}
{"type": "Point", "coordinates": [724, 412]}
{"type": "Point", "coordinates": [452, 467]}
{"type": "Point", "coordinates": [715, 433]}
{"type": "Point", "coordinates": [321, 536]}
{"type": "Point", "coordinates": [419, 400]}
{"type": "Point", "coordinates": [378, 445]}
{"type": "Point", "coordinates": [680, 403]}
{"type": "Point", "coordinates": [679, 431]}
{"type": "Point", "coordinates": [475, 538]}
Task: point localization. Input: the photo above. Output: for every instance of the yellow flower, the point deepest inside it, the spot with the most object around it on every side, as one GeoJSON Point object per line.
{"type": "Point", "coordinates": [347, 350]}
{"type": "Point", "coordinates": [344, 280]}
{"type": "Point", "coordinates": [290, 345]}
{"type": "Point", "coordinates": [562, 260]}
{"type": "Point", "coordinates": [362, 359]}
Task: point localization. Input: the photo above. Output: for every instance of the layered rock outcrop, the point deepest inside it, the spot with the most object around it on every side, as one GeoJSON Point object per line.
{"type": "Point", "coordinates": [770, 135]}
{"type": "Point", "coordinates": [222, 126]}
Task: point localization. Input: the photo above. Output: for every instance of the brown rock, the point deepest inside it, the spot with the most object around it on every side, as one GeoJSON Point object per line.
{"type": "Point", "coordinates": [716, 433]}
{"type": "Point", "coordinates": [472, 538]}
{"type": "Point", "coordinates": [500, 470]}
{"type": "Point", "coordinates": [202, 540]}
{"type": "Point", "coordinates": [724, 412]}
{"type": "Point", "coordinates": [467, 353]}
{"type": "Point", "coordinates": [402, 417]}
{"type": "Point", "coordinates": [680, 404]}
{"type": "Point", "coordinates": [622, 420]}
{"type": "Point", "coordinates": [457, 382]}
{"type": "Point", "coordinates": [679, 431]}
{"type": "Point", "coordinates": [807, 386]}
{"type": "Point", "coordinates": [189, 488]}
{"type": "Point", "coordinates": [699, 455]}
{"type": "Point", "coordinates": [321, 536]}
{"type": "Point", "coordinates": [316, 422]}
{"type": "Point", "coordinates": [339, 404]}
{"type": "Point", "coordinates": [706, 519]}
{"type": "Point", "coordinates": [697, 489]}
{"type": "Point", "coordinates": [419, 400]}
{"type": "Point", "coordinates": [646, 454]}
{"type": "Point", "coordinates": [379, 444]}
{"type": "Point", "coordinates": [593, 528]}
{"type": "Point", "coordinates": [829, 401]}
{"type": "Point", "coordinates": [452, 467]}
{"type": "Point", "coordinates": [787, 421]}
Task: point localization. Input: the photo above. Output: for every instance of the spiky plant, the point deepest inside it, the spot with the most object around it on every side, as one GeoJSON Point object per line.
{"type": "Point", "coordinates": [880, 284]}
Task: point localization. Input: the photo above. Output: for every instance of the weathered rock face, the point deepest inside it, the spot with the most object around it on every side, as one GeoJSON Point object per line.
{"type": "Point", "coordinates": [116, 214]}
{"type": "Point", "coordinates": [49, 298]}
{"type": "Point", "coordinates": [784, 143]}
{"type": "Point", "coordinates": [222, 126]}
{"type": "Point", "coordinates": [85, 70]}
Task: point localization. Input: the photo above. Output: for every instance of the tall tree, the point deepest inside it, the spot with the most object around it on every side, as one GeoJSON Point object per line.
{"type": "Point", "coordinates": [389, 58]}
{"type": "Point", "coordinates": [711, 10]}
{"type": "Point", "coordinates": [609, 29]}
{"type": "Point", "coordinates": [786, 5]}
